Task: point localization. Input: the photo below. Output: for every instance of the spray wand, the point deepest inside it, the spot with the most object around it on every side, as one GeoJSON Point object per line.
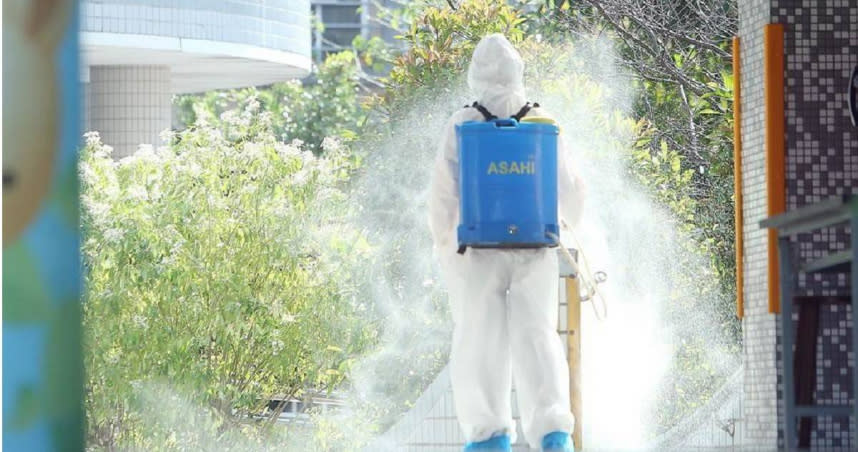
{"type": "Point", "coordinates": [590, 284]}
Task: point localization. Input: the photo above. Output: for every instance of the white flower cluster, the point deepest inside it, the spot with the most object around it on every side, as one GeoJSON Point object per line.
{"type": "Point", "coordinates": [93, 141]}
{"type": "Point", "coordinates": [332, 145]}
{"type": "Point", "coordinates": [277, 345]}
{"type": "Point", "coordinates": [176, 243]}
{"type": "Point", "coordinates": [140, 321]}
{"type": "Point", "coordinates": [288, 150]}
{"type": "Point", "coordinates": [113, 235]}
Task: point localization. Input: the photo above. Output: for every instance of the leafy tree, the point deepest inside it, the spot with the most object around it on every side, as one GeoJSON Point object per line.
{"type": "Point", "coordinates": [678, 52]}
{"type": "Point", "coordinates": [218, 267]}
{"type": "Point", "coordinates": [439, 46]}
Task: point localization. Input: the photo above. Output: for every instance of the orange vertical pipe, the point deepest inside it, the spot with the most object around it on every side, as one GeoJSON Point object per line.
{"type": "Point", "coordinates": [737, 180]}
{"type": "Point", "coordinates": [773, 75]}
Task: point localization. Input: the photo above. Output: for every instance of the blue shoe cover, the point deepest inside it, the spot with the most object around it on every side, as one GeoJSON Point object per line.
{"type": "Point", "coordinates": [498, 443]}
{"type": "Point", "coordinates": [557, 442]}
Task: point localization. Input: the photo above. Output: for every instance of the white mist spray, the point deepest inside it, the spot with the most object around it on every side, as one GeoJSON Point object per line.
{"type": "Point", "coordinates": [635, 241]}
{"type": "Point", "coordinates": [623, 233]}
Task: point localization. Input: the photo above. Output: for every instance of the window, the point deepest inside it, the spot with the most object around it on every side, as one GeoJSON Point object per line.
{"type": "Point", "coordinates": [339, 14]}
{"type": "Point", "coordinates": [339, 37]}
{"type": "Point", "coordinates": [342, 22]}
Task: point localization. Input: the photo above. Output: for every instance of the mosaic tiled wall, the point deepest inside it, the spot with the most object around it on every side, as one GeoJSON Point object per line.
{"type": "Point", "coordinates": [759, 327]}
{"type": "Point", "coordinates": [821, 48]}
{"type": "Point", "coordinates": [833, 380]}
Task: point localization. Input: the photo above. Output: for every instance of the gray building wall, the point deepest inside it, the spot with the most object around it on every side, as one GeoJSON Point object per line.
{"type": "Point", "coordinates": [138, 53]}
{"type": "Point", "coordinates": [343, 20]}
{"type": "Point", "coordinates": [129, 105]}
{"type": "Point", "coordinates": [759, 327]}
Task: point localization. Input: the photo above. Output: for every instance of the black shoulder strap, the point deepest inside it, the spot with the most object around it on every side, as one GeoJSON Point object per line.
{"type": "Point", "coordinates": [525, 110]}
{"type": "Point", "coordinates": [518, 116]}
{"type": "Point", "coordinates": [485, 112]}
{"type": "Point", "coordinates": [488, 117]}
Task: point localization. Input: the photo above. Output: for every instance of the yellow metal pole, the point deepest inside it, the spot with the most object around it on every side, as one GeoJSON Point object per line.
{"type": "Point", "coordinates": [573, 343]}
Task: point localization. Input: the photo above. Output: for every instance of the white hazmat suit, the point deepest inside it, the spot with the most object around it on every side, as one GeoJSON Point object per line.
{"type": "Point", "coordinates": [503, 301]}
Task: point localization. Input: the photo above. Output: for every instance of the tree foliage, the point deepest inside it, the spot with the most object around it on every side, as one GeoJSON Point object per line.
{"type": "Point", "coordinates": [677, 51]}
{"type": "Point", "coordinates": [324, 105]}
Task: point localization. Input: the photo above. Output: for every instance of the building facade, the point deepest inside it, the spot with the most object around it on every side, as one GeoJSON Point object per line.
{"type": "Point", "coordinates": [138, 53]}
{"type": "Point", "coordinates": [819, 146]}
{"type": "Point", "coordinates": [343, 20]}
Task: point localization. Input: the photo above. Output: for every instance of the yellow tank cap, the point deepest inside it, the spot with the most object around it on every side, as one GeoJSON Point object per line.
{"type": "Point", "coordinates": [539, 119]}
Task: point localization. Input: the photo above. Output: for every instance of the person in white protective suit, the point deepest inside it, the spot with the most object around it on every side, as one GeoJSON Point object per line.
{"type": "Point", "coordinates": [503, 301]}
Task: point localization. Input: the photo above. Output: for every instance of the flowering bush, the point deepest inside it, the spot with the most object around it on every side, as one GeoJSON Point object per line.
{"type": "Point", "coordinates": [217, 266]}
{"type": "Point", "coordinates": [321, 106]}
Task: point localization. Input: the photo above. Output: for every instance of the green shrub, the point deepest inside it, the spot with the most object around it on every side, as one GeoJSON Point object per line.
{"type": "Point", "coordinates": [217, 266]}
{"type": "Point", "coordinates": [324, 105]}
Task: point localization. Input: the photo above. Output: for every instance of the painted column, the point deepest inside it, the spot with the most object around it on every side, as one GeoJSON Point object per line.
{"type": "Point", "coordinates": [42, 365]}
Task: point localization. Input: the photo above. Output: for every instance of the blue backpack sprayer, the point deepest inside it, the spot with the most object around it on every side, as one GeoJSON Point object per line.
{"type": "Point", "coordinates": [508, 182]}
{"type": "Point", "coordinates": [508, 186]}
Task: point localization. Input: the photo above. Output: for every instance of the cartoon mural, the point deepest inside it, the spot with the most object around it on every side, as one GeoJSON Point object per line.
{"type": "Point", "coordinates": [42, 371]}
